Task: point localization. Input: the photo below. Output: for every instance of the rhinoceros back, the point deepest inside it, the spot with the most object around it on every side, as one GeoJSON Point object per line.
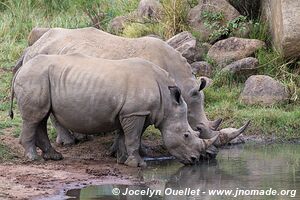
{"type": "Point", "coordinates": [101, 90]}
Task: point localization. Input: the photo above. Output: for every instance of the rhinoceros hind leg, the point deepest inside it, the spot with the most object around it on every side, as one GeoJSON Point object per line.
{"type": "Point", "coordinates": [64, 136]}
{"type": "Point", "coordinates": [133, 128]}
{"type": "Point", "coordinates": [43, 142]}
{"type": "Point", "coordinates": [27, 139]}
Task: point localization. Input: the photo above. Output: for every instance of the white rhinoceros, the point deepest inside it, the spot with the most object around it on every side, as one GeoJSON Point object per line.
{"type": "Point", "coordinates": [96, 43]}
{"type": "Point", "coordinates": [90, 95]}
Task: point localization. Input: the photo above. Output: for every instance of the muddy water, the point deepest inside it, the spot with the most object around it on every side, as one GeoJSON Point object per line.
{"type": "Point", "coordinates": [249, 172]}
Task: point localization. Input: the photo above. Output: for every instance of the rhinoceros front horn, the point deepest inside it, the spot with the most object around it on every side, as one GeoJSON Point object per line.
{"type": "Point", "coordinates": [214, 125]}
{"type": "Point", "coordinates": [209, 142]}
{"type": "Point", "coordinates": [226, 135]}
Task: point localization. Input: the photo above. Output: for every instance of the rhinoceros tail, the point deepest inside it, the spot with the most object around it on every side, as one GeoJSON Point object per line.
{"type": "Point", "coordinates": [12, 95]}
{"type": "Point", "coordinates": [11, 112]}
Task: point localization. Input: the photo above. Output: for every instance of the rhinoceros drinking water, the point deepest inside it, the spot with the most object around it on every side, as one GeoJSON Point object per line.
{"type": "Point", "coordinates": [86, 98]}
{"type": "Point", "coordinates": [96, 43]}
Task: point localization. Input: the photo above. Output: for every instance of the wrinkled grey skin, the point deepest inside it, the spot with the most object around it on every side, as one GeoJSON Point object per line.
{"type": "Point", "coordinates": [86, 98]}
{"type": "Point", "coordinates": [96, 43]}
{"type": "Point", "coordinates": [93, 42]}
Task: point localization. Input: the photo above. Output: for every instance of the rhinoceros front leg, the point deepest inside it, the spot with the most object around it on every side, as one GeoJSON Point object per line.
{"type": "Point", "coordinates": [121, 151]}
{"type": "Point", "coordinates": [133, 128]}
{"type": "Point", "coordinates": [64, 136]}
{"type": "Point", "coordinates": [118, 144]}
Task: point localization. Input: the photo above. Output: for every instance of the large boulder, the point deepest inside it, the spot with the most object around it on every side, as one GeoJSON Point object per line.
{"type": "Point", "coordinates": [198, 21]}
{"type": "Point", "coordinates": [186, 44]}
{"type": "Point", "coordinates": [117, 24]}
{"type": "Point", "coordinates": [283, 17]}
{"type": "Point", "coordinates": [232, 49]}
{"type": "Point", "coordinates": [244, 67]}
{"type": "Point", "coordinates": [150, 9]}
{"type": "Point", "coordinates": [202, 68]}
{"type": "Point", "coordinates": [263, 90]}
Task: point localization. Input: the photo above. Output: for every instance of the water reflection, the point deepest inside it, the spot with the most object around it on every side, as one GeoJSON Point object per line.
{"type": "Point", "coordinates": [275, 167]}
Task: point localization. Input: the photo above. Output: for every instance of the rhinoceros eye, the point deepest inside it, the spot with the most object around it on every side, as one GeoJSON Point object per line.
{"type": "Point", "coordinates": [195, 93]}
{"type": "Point", "coordinates": [186, 135]}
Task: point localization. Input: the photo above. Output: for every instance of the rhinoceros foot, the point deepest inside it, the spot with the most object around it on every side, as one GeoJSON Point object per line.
{"type": "Point", "coordinates": [135, 161]}
{"type": "Point", "coordinates": [52, 154]}
{"type": "Point", "coordinates": [65, 141]}
{"type": "Point", "coordinates": [32, 155]}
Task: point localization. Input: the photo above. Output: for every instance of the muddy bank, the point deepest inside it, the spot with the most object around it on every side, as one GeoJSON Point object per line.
{"type": "Point", "coordinates": [83, 164]}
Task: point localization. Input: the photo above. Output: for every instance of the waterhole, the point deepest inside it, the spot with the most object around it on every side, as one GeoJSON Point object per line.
{"type": "Point", "coordinates": [249, 171]}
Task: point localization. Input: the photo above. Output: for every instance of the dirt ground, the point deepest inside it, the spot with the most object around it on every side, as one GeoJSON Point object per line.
{"type": "Point", "coordinates": [83, 164]}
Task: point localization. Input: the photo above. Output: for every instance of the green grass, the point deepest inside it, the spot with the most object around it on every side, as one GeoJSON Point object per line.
{"type": "Point", "coordinates": [282, 121]}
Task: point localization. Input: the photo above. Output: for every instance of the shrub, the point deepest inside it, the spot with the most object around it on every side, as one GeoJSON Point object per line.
{"type": "Point", "coordinates": [174, 16]}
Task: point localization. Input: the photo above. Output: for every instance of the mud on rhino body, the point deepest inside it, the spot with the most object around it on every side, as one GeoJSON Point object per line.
{"type": "Point", "coordinates": [86, 98]}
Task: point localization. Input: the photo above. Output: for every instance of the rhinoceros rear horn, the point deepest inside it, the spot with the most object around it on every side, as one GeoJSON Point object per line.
{"type": "Point", "coordinates": [214, 125]}
{"type": "Point", "coordinates": [175, 93]}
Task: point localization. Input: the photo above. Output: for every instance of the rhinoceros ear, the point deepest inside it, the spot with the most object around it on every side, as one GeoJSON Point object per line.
{"type": "Point", "coordinates": [175, 93]}
{"type": "Point", "coordinates": [202, 84]}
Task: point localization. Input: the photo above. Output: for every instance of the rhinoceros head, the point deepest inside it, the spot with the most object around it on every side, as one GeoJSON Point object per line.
{"type": "Point", "coordinates": [195, 101]}
{"type": "Point", "coordinates": [180, 139]}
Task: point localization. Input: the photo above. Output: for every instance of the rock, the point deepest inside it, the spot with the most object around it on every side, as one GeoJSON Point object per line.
{"type": "Point", "coordinates": [245, 67]}
{"type": "Point", "coordinates": [263, 90]}
{"type": "Point", "coordinates": [185, 43]}
{"type": "Point", "coordinates": [202, 68]}
{"type": "Point", "coordinates": [197, 22]}
{"type": "Point", "coordinates": [232, 49]}
{"type": "Point", "coordinates": [283, 17]}
{"type": "Point", "coordinates": [117, 24]}
{"type": "Point", "coordinates": [35, 34]}
{"type": "Point", "coordinates": [150, 9]}
{"type": "Point", "coordinates": [243, 31]}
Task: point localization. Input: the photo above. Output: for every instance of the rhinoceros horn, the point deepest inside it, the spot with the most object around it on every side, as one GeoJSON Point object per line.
{"type": "Point", "coordinates": [209, 142]}
{"type": "Point", "coordinates": [228, 134]}
{"type": "Point", "coordinates": [214, 125]}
